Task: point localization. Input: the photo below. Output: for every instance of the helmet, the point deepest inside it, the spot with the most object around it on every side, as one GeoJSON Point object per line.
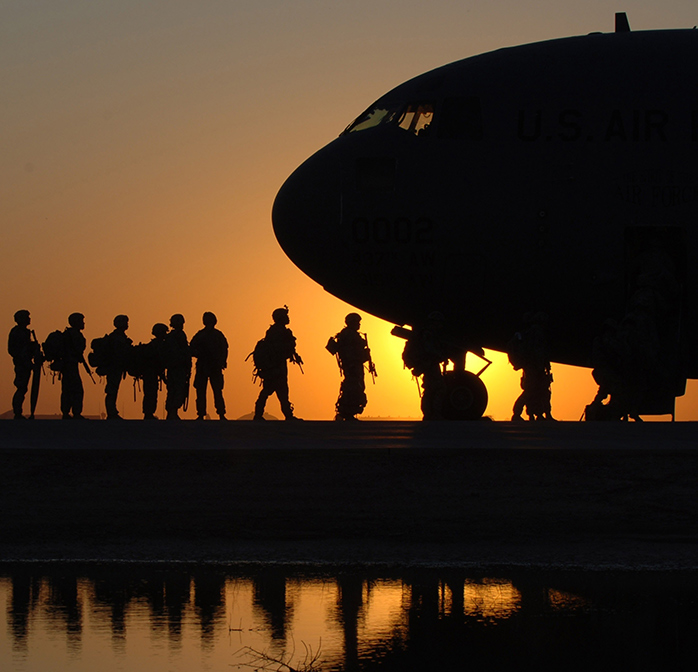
{"type": "Point", "coordinates": [159, 330]}
{"type": "Point", "coordinates": [280, 315]}
{"type": "Point", "coordinates": [177, 321]}
{"type": "Point", "coordinates": [76, 320]}
{"type": "Point", "coordinates": [352, 318]}
{"type": "Point", "coordinates": [121, 322]}
{"type": "Point", "coordinates": [22, 317]}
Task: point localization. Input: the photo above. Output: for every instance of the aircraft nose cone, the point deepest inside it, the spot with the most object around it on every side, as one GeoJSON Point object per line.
{"type": "Point", "coordinates": [306, 215]}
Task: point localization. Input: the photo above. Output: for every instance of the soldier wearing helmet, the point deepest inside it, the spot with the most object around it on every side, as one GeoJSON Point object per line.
{"type": "Point", "coordinates": [25, 353]}
{"type": "Point", "coordinates": [425, 351]}
{"type": "Point", "coordinates": [210, 347]}
{"type": "Point", "coordinates": [153, 369]}
{"type": "Point", "coordinates": [119, 349]}
{"type": "Point", "coordinates": [178, 365]}
{"type": "Point", "coordinates": [352, 352]}
{"type": "Point", "coordinates": [276, 349]}
{"type": "Point", "coordinates": [72, 391]}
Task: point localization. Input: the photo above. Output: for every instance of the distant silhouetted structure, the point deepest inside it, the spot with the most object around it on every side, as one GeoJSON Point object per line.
{"type": "Point", "coordinates": [210, 348]}
{"type": "Point", "coordinates": [425, 351]}
{"type": "Point", "coordinates": [528, 351]}
{"type": "Point", "coordinates": [27, 358]}
{"type": "Point", "coordinates": [178, 366]}
{"type": "Point", "coordinates": [352, 352]}
{"type": "Point", "coordinates": [271, 357]}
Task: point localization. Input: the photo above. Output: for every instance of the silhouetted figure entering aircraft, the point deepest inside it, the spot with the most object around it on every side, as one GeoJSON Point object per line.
{"type": "Point", "coordinates": [352, 352]}
{"type": "Point", "coordinates": [271, 357]}
{"type": "Point", "coordinates": [210, 348]}
{"type": "Point", "coordinates": [178, 365]}
{"type": "Point", "coordinates": [116, 349]}
{"type": "Point", "coordinates": [72, 391]}
{"type": "Point", "coordinates": [528, 350]}
{"type": "Point", "coordinates": [153, 369]}
{"type": "Point", "coordinates": [27, 358]}
{"type": "Point", "coordinates": [425, 351]}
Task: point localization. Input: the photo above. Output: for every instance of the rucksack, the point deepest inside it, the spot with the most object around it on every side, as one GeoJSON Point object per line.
{"type": "Point", "coordinates": [262, 358]}
{"type": "Point", "coordinates": [55, 347]}
{"type": "Point", "coordinates": [101, 355]}
{"type": "Point", "coordinates": [139, 360]}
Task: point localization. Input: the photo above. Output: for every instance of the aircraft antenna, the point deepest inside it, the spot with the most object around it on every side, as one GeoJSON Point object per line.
{"type": "Point", "coordinates": [622, 23]}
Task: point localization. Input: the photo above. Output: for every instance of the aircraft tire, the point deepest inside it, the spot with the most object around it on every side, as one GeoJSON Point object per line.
{"type": "Point", "coordinates": [466, 396]}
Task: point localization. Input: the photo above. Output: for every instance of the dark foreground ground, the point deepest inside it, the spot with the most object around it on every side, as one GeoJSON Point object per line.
{"type": "Point", "coordinates": [470, 494]}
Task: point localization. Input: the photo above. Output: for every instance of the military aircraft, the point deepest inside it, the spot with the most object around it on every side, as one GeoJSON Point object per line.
{"type": "Point", "coordinates": [560, 176]}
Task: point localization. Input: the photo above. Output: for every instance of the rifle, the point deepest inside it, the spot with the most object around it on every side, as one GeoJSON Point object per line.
{"type": "Point", "coordinates": [371, 365]}
{"type": "Point", "coordinates": [296, 359]}
{"type": "Point", "coordinates": [89, 372]}
{"type": "Point", "coordinates": [37, 371]}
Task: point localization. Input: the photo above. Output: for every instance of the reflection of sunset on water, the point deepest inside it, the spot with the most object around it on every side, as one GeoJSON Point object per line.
{"type": "Point", "coordinates": [148, 620]}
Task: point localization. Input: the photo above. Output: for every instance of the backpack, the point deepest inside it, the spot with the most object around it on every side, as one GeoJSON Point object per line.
{"type": "Point", "coordinates": [139, 360]}
{"type": "Point", "coordinates": [101, 355]}
{"type": "Point", "coordinates": [261, 358]}
{"type": "Point", "coordinates": [332, 346]}
{"type": "Point", "coordinates": [55, 349]}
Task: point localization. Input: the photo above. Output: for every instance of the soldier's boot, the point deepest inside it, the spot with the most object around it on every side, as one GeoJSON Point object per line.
{"type": "Point", "coordinates": [259, 409]}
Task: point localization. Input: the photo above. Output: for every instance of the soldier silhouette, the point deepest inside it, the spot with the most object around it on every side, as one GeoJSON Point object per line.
{"type": "Point", "coordinates": [528, 351]}
{"type": "Point", "coordinates": [178, 365]}
{"type": "Point", "coordinates": [272, 355]}
{"type": "Point", "coordinates": [72, 391]}
{"type": "Point", "coordinates": [153, 370]}
{"type": "Point", "coordinates": [119, 347]}
{"type": "Point", "coordinates": [425, 351]}
{"type": "Point", "coordinates": [210, 348]}
{"type": "Point", "coordinates": [352, 352]}
{"type": "Point", "coordinates": [26, 357]}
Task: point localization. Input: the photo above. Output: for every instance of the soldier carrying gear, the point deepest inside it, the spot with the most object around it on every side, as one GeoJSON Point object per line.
{"type": "Point", "coordinates": [352, 352]}
{"type": "Point", "coordinates": [118, 349]}
{"type": "Point", "coordinates": [210, 348]}
{"type": "Point", "coordinates": [72, 391]}
{"type": "Point", "coordinates": [178, 365]}
{"type": "Point", "coordinates": [272, 355]}
{"type": "Point", "coordinates": [26, 357]}
{"type": "Point", "coordinates": [528, 350]}
{"type": "Point", "coordinates": [153, 370]}
{"type": "Point", "coordinates": [425, 351]}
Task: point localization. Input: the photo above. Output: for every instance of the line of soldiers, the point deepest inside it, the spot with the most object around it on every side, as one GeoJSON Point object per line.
{"type": "Point", "coordinates": [168, 358]}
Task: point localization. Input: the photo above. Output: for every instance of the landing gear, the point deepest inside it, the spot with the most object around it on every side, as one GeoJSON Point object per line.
{"type": "Point", "coordinates": [465, 396]}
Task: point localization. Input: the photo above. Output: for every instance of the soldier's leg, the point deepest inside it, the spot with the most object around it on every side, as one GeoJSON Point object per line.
{"type": "Point", "coordinates": [200, 385]}
{"type": "Point", "coordinates": [111, 392]}
{"type": "Point", "coordinates": [78, 395]}
{"type": "Point", "coordinates": [150, 395]}
{"type": "Point", "coordinates": [282, 396]}
{"type": "Point", "coordinates": [177, 388]}
{"type": "Point", "coordinates": [69, 375]}
{"type": "Point", "coordinates": [264, 394]}
{"type": "Point", "coordinates": [22, 375]}
{"type": "Point", "coordinates": [217, 382]}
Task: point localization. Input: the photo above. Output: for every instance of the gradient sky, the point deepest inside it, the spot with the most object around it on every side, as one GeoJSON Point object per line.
{"type": "Point", "coordinates": [142, 144]}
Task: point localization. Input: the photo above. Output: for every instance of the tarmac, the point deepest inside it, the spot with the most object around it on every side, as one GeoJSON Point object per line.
{"type": "Point", "coordinates": [479, 494]}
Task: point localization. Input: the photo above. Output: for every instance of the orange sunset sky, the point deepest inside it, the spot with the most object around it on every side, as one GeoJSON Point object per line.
{"type": "Point", "coordinates": [143, 142]}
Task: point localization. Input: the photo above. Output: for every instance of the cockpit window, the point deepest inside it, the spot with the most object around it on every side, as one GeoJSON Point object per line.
{"type": "Point", "coordinates": [375, 116]}
{"type": "Point", "coordinates": [416, 118]}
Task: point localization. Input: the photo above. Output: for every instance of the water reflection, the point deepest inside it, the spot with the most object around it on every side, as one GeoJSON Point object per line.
{"type": "Point", "coordinates": [113, 617]}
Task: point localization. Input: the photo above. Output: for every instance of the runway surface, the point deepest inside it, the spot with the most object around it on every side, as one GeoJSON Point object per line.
{"type": "Point", "coordinates": [404, 493]}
